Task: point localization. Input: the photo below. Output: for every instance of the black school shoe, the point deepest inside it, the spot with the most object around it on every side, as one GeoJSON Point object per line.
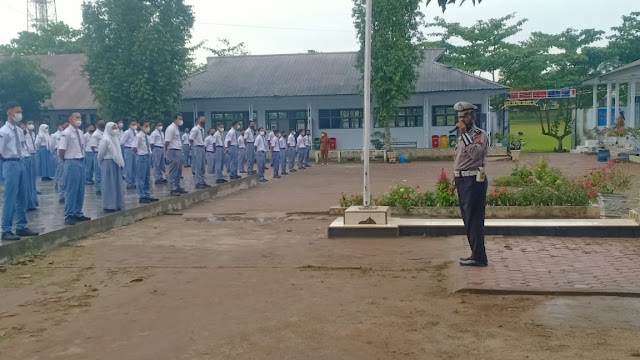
{"type": "Point", "coordinates": [472, 262]}
{"type": "Point", "coordinates": [9, 236]}
{"type": "Point", "coordinates": [82, 218]}
{"type": "Point", "coordinates": [175, 193]}
{"type": "Point", "coordinates": [26, 232]}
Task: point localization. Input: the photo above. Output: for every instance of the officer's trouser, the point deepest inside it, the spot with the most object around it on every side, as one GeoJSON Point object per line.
{"type": "Point", "coordinates": [473, 200]}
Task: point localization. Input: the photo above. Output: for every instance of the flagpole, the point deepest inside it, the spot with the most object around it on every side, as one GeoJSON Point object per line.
{"type": "Point", "coordinates": [366, 194]}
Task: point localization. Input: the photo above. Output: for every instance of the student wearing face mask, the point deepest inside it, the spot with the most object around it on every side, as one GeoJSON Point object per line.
{"type": "Point", "coordinates": [186, 147]}
{"type": "Point", "coordinates": [129, 157]}
{"type": "Point", "coordinates": [275, 153]}
{"type": "Point", "coordinates": [301, 150]}
{"type": "Point", "coordinates": [282, 142]}
{"type": "Point", "coordinates": [46, 165]}
{"type": "Point", "coordinates": [89, 156]}
{"type": "Point", "coordinates": [142, 148]}
{"type": "Point", "coordinates": [249, 137]}
{"type": "Point", "coordinates": [29, 165]}
{"type": "Point", "coordinates": [261, 154]}
{"type": "Point", "coordinates": [196, 140]}
{"type": "Point", "coordinates": [242, 153]}
{"type": "Point", "coordinates": [71, 150]}
{"type": "Point", "coordinates": [30, 140]}
{"type": "Point", "coordinates": [55, 139]}
{"type": "Point", "coordinates": [210, 152]}
{"type": "Point", "coordinates": [94, 143]}
{"type": "Point", "coordinates": [173, 151]}
{"type": "Point", "coordinates": [219, 142]}
{"type": "Point", "coordinates": [231, 142]}
{"type": "Point", "coordinates": [15, 188]}
{"type": "Point", "coordinates": [291, 150]}
{"type": "Point", "coordinates": [306, 139]}
{"type": "Point", "coordinates": [111, 163]}
{"type": "Point", "coordinates": [157, 148]}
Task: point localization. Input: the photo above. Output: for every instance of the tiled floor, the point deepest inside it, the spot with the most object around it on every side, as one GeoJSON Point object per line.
{"type": "Point", "coordinates": [558, 264]}
{"type": "Point", "coordinates": [49, 216]}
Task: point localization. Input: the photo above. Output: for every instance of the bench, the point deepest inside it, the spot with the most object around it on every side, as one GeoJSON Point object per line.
{"type": "Point", "coordinates": [404, 144]}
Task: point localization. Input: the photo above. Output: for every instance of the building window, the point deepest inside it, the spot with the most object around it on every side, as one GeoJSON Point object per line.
{"type": "Point", "coordinates": [340, 118]}
{"type": "Point", "coordinates": [286, 120]}
{"type": "Point", "coordinates": [406, 117]}
{"type": "Point", "coordinates": [444, 115]}
{"type": "Point", "coordinates": [228, 117]}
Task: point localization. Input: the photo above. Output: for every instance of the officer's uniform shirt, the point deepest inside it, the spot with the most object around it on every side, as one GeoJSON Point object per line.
{"type": "Point", "coordinates": [95, 139]}
{"type": "Point", "coordinates": [249, 135]}
{"type": "Point", "coordinates": [291, 141]}
{"type": "Point", "coordinates": [231, 139]}
{"type": "Point", "coordinates": [30, 140]}
{"type": "Point", "coordinates": [87, 142]}
{"type": "Point", "coordinates": [283, 143]}
{"type": "Point", "coordinates": [260, 143]}
{"type": "Point", "coordinates": [185, 138]}
{"type": "Point", "coordinates": [241, 144]}
{"type": "Point", "coordinates": [173, 137]}
{"type": "Point", "coordinates": [141, 144]}
{"type": "Point", "coordinates": [157, 138]}
{"type": "Point", "coordinates": [197, 135]}
{"type": "Point", "coordinates": [9, 142]}
{"type": "Point", "coordinates": [217, 139]}
{"type": "Point", "coordinates": [72, 142]}
{"type": "Point", "coordinates": [301, 142]}
{"type": "Point", "coordinates": [210, 144]}
{"type": "Point", "coordinates": [127, 138]}
{"type": "Point", "coordinates": [469, 154]}
{"type": "Point", "coordinates": [275, 144]}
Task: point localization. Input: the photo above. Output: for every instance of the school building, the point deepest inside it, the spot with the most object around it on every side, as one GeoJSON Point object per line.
{"type": "Point", "coordinates": [323, 92]}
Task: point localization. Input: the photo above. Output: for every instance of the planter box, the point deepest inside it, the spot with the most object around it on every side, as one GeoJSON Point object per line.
{"type": "Point", "coordinates": [497, 212]}
{"type": "Point", "coordinates": [613, 205]}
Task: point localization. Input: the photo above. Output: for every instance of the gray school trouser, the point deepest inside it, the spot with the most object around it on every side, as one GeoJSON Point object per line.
{"type": "Point", "coordinates": [219, 161]}
{"type": "Point", "coordinates": [211, 161]}
{"type": "Point", "coordinates": [242, 157]}
{"type": "Point", "coordinates": [174, 156]}
{"type": "Point", "coordinates": [283, 161]}
{"type": "Point", "coordinates": [251, 157]}
{"type": "Point", "coordinates": [59, 176]}
{"type": "Point", "coordinates": [197, 163]}
{"type": "Point", "coordinates": [292, 157]}
{"type": "Point", "coordinates": [158, 163]}
{"type": "Point", "coordinates": [301, 152]}
{"type": "Point", "coordinates": [307, 152]}
{"type": "Point", "coordinates": [261, 158]}
{"type": "Point", "coordinates": [233, 160]}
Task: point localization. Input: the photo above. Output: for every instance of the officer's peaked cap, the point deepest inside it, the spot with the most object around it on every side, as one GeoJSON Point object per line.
{"type": "Point", "coordinates": [464, 106]}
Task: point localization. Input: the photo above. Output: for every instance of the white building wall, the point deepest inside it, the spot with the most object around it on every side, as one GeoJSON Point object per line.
{"type": "Point", "coordinates": [345, 138]}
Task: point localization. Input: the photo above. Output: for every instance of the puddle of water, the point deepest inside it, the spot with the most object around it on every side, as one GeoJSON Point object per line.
{"type": "Point", "coordinates": [589, 311]}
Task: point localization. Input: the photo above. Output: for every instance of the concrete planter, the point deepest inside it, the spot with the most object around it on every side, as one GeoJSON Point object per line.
{"type": "Point", "coordinates": [497, 212]}
{"type": "Point", "coordinates": [515, 155]}
{"type": "Point", "coordinates": [613, 205]}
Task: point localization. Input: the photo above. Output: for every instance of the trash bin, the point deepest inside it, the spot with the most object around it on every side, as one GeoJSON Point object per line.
{"type": "Point", "coordinates": [453, 140]}
{"type": "Point", "coordinates": [316, 144]}
{"type": "Point", "coordinates": [332, 144]}
{"type": "Point", "coordinates": [444, 141]}
{"type": "Point", "coordinates": [435, 141]}
{"type": "Point", "coordinates": [603, 155]}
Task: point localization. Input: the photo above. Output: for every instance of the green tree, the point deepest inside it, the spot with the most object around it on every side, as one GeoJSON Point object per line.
{"type": "Point", "coordinates": [624, 44]}
{"type": "Point", "coordinates": [53, 38]}
{"type": "Point", "coordinates": [137, 55]}
{"type": "Point", "coordinates": [443, 3]}
{"type": "Point", "coordinates": [552, 61]}
{"type": "Point", "coordinates": [395, 53]}
{"type": "Point", "coordinates": [227, 49]}
{"type": "Point", "coordinates": [24, 80]}
{"type": "Point", "coordinates": [484, 46]}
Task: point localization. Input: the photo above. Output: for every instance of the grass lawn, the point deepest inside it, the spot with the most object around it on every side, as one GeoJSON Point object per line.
{"type": "Point", "coordinates": [532, 135]}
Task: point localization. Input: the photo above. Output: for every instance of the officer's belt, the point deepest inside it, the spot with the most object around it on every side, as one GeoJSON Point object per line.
{"type": "Point", "coordinates": [465, 173]}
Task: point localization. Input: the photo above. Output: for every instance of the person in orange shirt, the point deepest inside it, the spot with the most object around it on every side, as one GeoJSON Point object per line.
{"type": "Point", "coordinates": [324, 148]}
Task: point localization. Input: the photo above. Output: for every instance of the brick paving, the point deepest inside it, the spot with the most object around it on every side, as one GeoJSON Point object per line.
{"type": "Point", "coordinates": [557, 265]}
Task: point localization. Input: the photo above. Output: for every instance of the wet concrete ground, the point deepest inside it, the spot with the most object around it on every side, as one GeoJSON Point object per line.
{"type": "Point", "coordinates": [50, 214]}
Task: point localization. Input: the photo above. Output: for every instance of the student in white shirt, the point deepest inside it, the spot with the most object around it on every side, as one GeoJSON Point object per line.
{"type": "Point", "coordinates": [59, 178]}
{"type": "Point", "coordinates": [261, 154]}
{"type": "Point", "coordinates": [242, 153]}
{"type": "Point", "coordinates": [210, 149]}
{"type": "Point", "coordinates": [95, 144]}
{"type": "Point", "coordinates": [157, 156]}
{"type": "Point", "coordinates": [196, 140]}
{"type": "Point", "coordinates": [221, 150]}
{"type": "Point", "coordinates": [71, 150]}
{"type": "Point", "coordinates": [231, 142]}
{"type": "Point", "coordinates": [30, 145]}
{"type": "Point", "coordinates": [46, 164]}
{"type": "Point", "coordinates": [89, 156]}
{"type": "Point", "coordinates": [301, 150]}
{"type": "Point", "coordinates": [173, 150]}
{"type": "Point", "coordinates": [111, 163]}
{"type": "Point", "coordinates": [249, 137]}
{"type": "Point", "coordinates": [142, 148]}
{"type": "Point", "coordinates": [275, 153]}
{"type": "Point", "coordinates": [291, 150]}
{"type": "Point", "coordinates": [186, 147]}
{"type": "Point", "coordinates": [307, 143]}
{"type": "Point", "coordinates": [270, 137]}
{"type": "Point", "coordinates": [129, 157]}
{"type": "Point", "coordinates": [282, 142]}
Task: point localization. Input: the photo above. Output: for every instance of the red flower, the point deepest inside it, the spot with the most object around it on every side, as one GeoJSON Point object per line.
{"type": "Point", "coordinates": [443, 175]}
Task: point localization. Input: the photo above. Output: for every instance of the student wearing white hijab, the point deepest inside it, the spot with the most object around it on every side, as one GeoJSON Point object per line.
{"type": "Point", "coordinates": [111, 167]}
{"type": "Point", "coordinates": [46, 165]}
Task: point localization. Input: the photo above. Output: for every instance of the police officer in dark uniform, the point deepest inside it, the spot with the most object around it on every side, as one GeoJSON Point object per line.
{"type": "Point", "coordinates": [470, 181]}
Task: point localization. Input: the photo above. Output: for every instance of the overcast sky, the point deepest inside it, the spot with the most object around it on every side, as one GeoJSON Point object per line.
{"type": "Point", "coordinates": [293, 26]}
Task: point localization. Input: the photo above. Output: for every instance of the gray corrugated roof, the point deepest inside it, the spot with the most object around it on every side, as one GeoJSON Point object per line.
{"type": "Point", "coordinates": [313, 75]}
{"type": "Point", "coordinates": [616, 74]}
{"type": "Point", "coordinates": [70, 88]}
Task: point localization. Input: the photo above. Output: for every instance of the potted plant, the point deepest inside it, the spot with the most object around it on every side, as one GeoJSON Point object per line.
{"type": "Point", "coordinates": [515, 145]}
{"type": "Point", "coordinates": [608, 182]}
{"type": "Point", "coordinates": [599, 134]}
{"type": "Point", "coordinates": [499, 138]}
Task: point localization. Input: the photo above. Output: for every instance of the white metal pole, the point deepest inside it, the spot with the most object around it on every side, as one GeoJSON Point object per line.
{"type": "Point", "coordinates": [366, 196]}
{"type": "Point", "coordinates": [608, 104]}
{"type": "Point", "coordinates": [617, 104]}
{"type": "Point", "coordinates": [595, 105]}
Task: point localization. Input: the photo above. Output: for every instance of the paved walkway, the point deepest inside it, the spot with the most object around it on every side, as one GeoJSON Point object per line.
{"type": "Point", "coordinates": [557, 265]}
{"type": "Point", "coordinates": [49, 216]}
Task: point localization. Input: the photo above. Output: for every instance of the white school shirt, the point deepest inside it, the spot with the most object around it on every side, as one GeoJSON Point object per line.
{"type": "Point", "coordinates": [305, 139]}
{"type": "Point", "coordinates": [9, 142]}
{"type": "Point", "coordinates": [210, 144]}
{"type": "Point", "coordinates": [87, 142]}
{"type": "Point", "coordinates": [241, 143]}
{"type": "Point", "coordinates": [30, 140]}
{"type": "Point", "coordinates": [54, 140]}
{"type": "Point", "coordinates": [275, 143]}
{"type": "Point", "coordinates": [172, 136]}
{"type": "Point", "coordinates": [185, 139]}
{"type": "Point", "coordinates": [291, 140]}
{"type": "Point", "coordinates": [259, 144]}
{"type": "Point", "coordinates": [217, 139]}
{"type": "Point", "coordinates": [127, 138]}
{"type": "Point", "coordinates": [72, 142]}
{"type": "Point", "coordinates": [197, 135]}
{"type": "Point", "coordinates": [270, 136]}
{"type": "Point", "coordinates": [140, 143]}
{"type": "Point", "coordinates": [282, 142]}
{"type": "Point", "coordinates": [301, 142]}
{"type": "Point", "coordinates": [157, 138]}
{"type": "Point", "coordinates": [249, 135]}
{"type": "Point", "coordinates": [232, 138]}
{"type": "Point", "coordinates": [95, 139]}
